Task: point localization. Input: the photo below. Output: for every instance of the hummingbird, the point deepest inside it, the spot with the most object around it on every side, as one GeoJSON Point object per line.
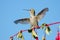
{"type": "Point", "coordinates": [34, 19]}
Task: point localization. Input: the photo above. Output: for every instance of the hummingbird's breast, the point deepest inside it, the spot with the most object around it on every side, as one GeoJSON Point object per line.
{"type": "Point", "coordinates": [33, 21]}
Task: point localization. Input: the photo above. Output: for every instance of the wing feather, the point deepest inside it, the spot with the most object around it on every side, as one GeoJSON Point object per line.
{"type": "Point", "coordinates": [22, 21]}
{"type": "Point", "coordinates": [41, 14]}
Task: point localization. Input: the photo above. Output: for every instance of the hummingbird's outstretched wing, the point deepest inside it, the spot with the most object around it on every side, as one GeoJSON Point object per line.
{"type": "Point", "coordinates": [22, 21]}
{"type": "Point", "coordinates": [41, 14]}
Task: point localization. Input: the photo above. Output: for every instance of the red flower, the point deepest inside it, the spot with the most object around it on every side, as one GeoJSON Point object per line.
{"type": "Point", "coordinates": [58, 36]}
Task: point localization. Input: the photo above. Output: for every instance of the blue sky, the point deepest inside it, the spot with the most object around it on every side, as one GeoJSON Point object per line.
{"type": "Point", "coordinates": [10, 10]}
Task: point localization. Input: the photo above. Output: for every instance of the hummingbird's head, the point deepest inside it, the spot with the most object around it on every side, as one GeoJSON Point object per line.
{"type": "Point", "coordinates": [32, 11]}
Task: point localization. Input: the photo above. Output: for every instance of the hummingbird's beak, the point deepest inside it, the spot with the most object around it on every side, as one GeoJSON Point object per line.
{"type": "Point", "coordinates": [26, 9]}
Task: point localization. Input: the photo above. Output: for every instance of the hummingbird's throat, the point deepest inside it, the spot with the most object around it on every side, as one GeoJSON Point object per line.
{"type": "Point", "coordinates": [32, 14]}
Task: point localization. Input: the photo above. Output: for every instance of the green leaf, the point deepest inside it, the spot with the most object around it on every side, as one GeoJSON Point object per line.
{"type": "Point", "coordinates": [29, 30]}
{"type": "Point", "coordinates": [47, 30]}
{"type": "Point", "coordinates": [43, 38]}
{"type": "Point", "coordinates": [43, 25]}
{"type": "Point", "coordinates": [34, 34]}
{"type": "Point", "coordinates": [19, 35]}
